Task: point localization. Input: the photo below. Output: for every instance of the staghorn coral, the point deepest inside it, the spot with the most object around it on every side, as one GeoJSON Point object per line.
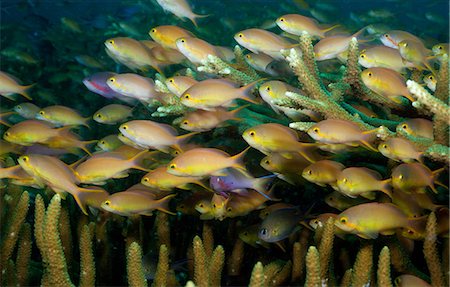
{"type": "Point", "coordinates": [135, 272]}
{"type": "Point", "coordinates": [347, 278]}
{"type": "Point", "coordinates": [384, 268]}
{"type": "Point", "coordinates": [297, 262]}
{"type": "Point", "coordinates": [430, 252]}
{"type": "Point", "coordinates": [257, 277]}
{"type": "Point", "coordinates": [162, 268]}
{"type": "Point", "coordinates": [216, 263]}
{"type": "Point", "coordinates": [23, 255]}
{"type": "Point", "coordinates": [236, 258]}
{"type": "Point", "coordinates": [163, 229]}
{"type": "Point", "coordinates": [87, 262]}
{"type": "Point", "coordinates": [313, 268]}
{"type": "Point", "coordinates": [201, 274]}
{"type": "Point", "coordinates": [442, 85]}
{"type": "Point", "coordinates": [326, 247]}
{"type": "Point", "coordinates": [208, 239]}
{"type": "Point", "coordinates": [362, 268]}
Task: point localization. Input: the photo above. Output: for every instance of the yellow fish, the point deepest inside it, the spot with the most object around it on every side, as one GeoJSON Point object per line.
{"type": "Point", "coordinates": [10, 86]}
{"type": "Point", "coordinates": [370, 219]}
{"type": "Point", "coordinates": [286, 169]}
{"type": "Point", "coordinates": [128, 203]}
{"type": "Point", "coordinates": [270, 138]}
{"type": "Point", "coordinates": [244, 202]}
{"type": "Point", "coordinates": [417, 127]}
{"type": "Point", "coordinates": [354, 181]}
{"type": "Point", "coordinates": [430, 81]}
{"type": "Point", "coordinates": [196, 50]}
{"type": "Point", "coordinates": [48, 170]}
{"type": "Point", "coordinates": [440, 49]}
{"type": "Point", "coordinates": [98, 169]}
{"type": "Point", "coordinates": [400, 149]}
{"type": "Point", "coordinates": [201, 120]}
{"type": "Point", "coordinates": [259, 62]}
{"type": "Point", "coordinates": [413, 177]}
{"type": "Point", "coordinates": [416, 53]}
{"type": "Point", "coordinates": [330, 47]}
{"type": "Point", "coordinates": [30, 132]}
{"type": "Point", "coordinates": [407, 280]}
{"type": "Point", "coordinates": [323, 172]}
{"type": "Point", "coordinates": [167, 35]}
{"type": "Point", "coordinates": [112, 114]}
{"type": "Point", "coordinates": [387, 83]}
{"type": "Point", "coordinates": [167, 56]}
{"type": "Point", "coordinates": [109, 143]}
{"type": "Point", "coordinates": [297, 24]}
{"type": "Point", "coordinates": [334, 131]}
{"type": "Point", "coordinates": [188, 205]}
{"type": "Point", "coordinates": [179, 84]}
{"type": "Point", "coordinates": [383, 57]}
{"type": "Point", "coordinates": [249, 235]}
{"type": "Point", "coordinates": [149, 134]}
{"type": "Point", "coordinates": [213, 93]}
{"type": "Point", "coordinates": [342, 202]}
{"type": "Point", "coordinates": [160, 179]}
{"type": "Point", "coordinates": [62, 116]}
{"type": "Point", "coordinates": [133, 86]}
{"type": "Point", "coordinates": [71, 25]}
{"type": "Point", "coordinates": [200, 162]}
{"type": "Point", "coordinates": [394, 37]}
{"type": "Point", "coordinates": [27, 110]}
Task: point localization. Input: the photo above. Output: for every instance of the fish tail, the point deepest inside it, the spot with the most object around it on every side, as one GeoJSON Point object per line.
{"type": "Point", "coordinates": [194, 16]}
{"type": "Point", "coordinates": [245, 91]}
{"type": "Point", "coordinates": [85, 122]}
{"type": "Point", "coordinates": [238, 159]}
{"type": "Point", "coordinates": [163, 204]}
{"type": "Point", "coordinates": [78, 195]}
{"type": "Point", "coordinates": [386, 187]}
{"type": "Point", "coordinates": [330, 28]}
{"type": "Point", "coordinates": [260, 185]}
{"type": "Point", "coordinates": [408, 95]}
{"type": "Point", "coordinates": [84, 145]}
{"type": "Point", "coordinates": [235, 111]}
{"type": "Point", "coordinates": [198, 182]}
{"type": "Point", "coordinates": [357, 34]}
{"type": "Point", "coordinates": [137, 160]}
{"type": "Point", "coordinates": [181, 139]}
{"type": "Point", "coordinates": [24, 91]}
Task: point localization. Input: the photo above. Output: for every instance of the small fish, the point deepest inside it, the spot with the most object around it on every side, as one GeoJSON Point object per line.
{"type": "Point", "coordinates": [68, 141]}
{"type": "Point", "coordinates": [285, 168]}
{"type": "Point", "coordinates": [213, 93]}
{"type": "Point", "coordinates": [181, 9]}
{"type": "Point", "coordinates": [323, 172]}
{"type": "Point", "coordinates": [237, 179]}
{"type": "Point", "coordinates": [62, 116]}
{"type": "Point", "coordinates": [416, 53]}
{"type": "Point", "coordinates": [98, 169]}
{"type": "Point", "coordinates": [417, 127]}
{"type": "Point", "coordinates": [258, 40]}
{"type": "Point", "coordinates": [430, 81]}
{"type": "Point", "coordinates": [10, 86]}
{"type": "Point", "coordinates": [407, 280]}
{"type": "Point", "coordinates": [418, 230]}
{"type": "Point", "coordinates": [400, 149]}
{"type": "Point", "coordinates": [7, 147]}
{"type": "Point", "coordinates": [131, 53]}
{"type": "Point", "coordinates": [149, 134]}
{"type": "Point", "coordinates": [320, 221]}
{"type": "Point", "coordinates": [259, 61]}
{"type": "Point", "coordinates": [109, 143]}
{"type": "Point", "coordinates": [19, 55]}
{"type": "Point", "coordinates": [440, 49]}
{"type": "Point", "coordinates": [112, 114]}
{"type": "Point", "coordinates": [387, 83]}
{"type": "Point", "coordinates": [128, 203]}
{"type": "Point", "coordinates": [394, 37]}
{"type": "Point", "coordinates": [167, 56]}
{"type": "Point", "coordinates": [272, 137]}
{"type": "Point", "coordinates": [205, 161]}
{"type": "Point", "coordinates": [48, 170]}
{"type": "Point", "coordinates": [30, 132]}
{"type": "Point", "coordinates": [370, 219]}
{"type": "Point", "coordinates": [201, 120]}
{"type": "Point", "coordinates": [71, 25]}
{"type": "Point", "coordinates": [383, 57]}
{"type": "Point", "coordinates": [96, 83]}
{"type": "Point", "coordinates": [415, 176]}
{"type": "Point", "coordinates": [244, 202]}
{"type": "Point", "coordinates": [249, 235]}
{"type": "Point", "coordinates": [407, 202]}
{"type": "Point", "coordinates": [297, 24]}
{"type": "Point", "coordinates": [188, 205]}
{"type": "Point", "coordinates": [280, 224]}
{"type": "Point", "coordinates": [329, 47]}
{"type": "Point", "coordinates": [334, 131]}
{"type": "Point", "coordinates": [196, 50]}
{"type": "Point", "coordinates": [133, 86]}
{"type": "Point", "coordinates": [342, 202]}
{"type": "Point", "coordinates": [179, 84]}
{"type": "Point", "coordinates": [354, 181]}
{"type": "Point", "coordinates": [271, 208]}
{"type": "Point", "coordinates": [89, 61]}
{"type": "Point", "coordinates": [160, 179]}
{"type": "Point", "coordinates": [27, 110]}
{"type": "Point", "coordinates": [167, 35]}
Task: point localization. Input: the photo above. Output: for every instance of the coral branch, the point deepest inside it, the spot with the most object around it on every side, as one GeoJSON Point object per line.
{"type": "Point", "coordinates": [257, 278]}
{"type": "Point", "coordinates": [384, 268]}
{"type": "Point", "coordinates": [135, 270]}
{"type": "Point", "coordinates": [312, 268]}
{"type": "Point", "coordinates": [431, 252]}
{"type": "Point", "coordinates": [87, 263]}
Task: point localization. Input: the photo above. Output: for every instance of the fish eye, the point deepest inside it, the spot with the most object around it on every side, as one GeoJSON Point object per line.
{"type": "Point", "coordinates": [153, 30]}
{"type": "Point", "coordinates": [7, 134]}
{"type": "Point", "coordinates": [102, 142]}
{"type": "Point", "coordinates": [252, 133]}
{"type": "Point", "coordinates": [145, 179]}
{"type": "Point", "coordinates": [201, 205]}
{"type": "Point", "coordinates": [248, 56]}
{"type": "Point", "coordinates": [404, 126]}
{"type": "Point", "coordinates": [111, 41]}
{"type": "Point", "coordinates": [171, 80]}
{"type": "Point", "coordinates": [397, 281]}
{"type": "Point", "coordinates": [263, 231]}
{"type": "Point", "coordinates": [343, 220]}
{"type": "Point", "coordinates": [316, 130]}
{"type": "Point", "coordinates": [112, 80]}
{"type": "Point", "coordinates": [240, 35]}
{"type": "Point", "coordinates": [384, 146]}
{"type": "Point", "coordinates": [25, 158]}
{"type": "Point", "coordinates": [386, 35]}
{"type": "Point", "coordinates": [440, 47]}
{"type": "Point", "coordinates": [268, 89]}
{"type": "Point", "coordinates": [187, 96]}
{"type": "Point", "coordinates": [369, 74]}
{"type": "Point", "coordinates": [98, 115]}
{"type": "Point", "coordinates": [107, 202]}
{"type": "Point", "coordinates": [309, 172]}
{"type": "Point", "coordinates": [400, 176]}
{"type": "Point", "coordinates": [344, 180]}
{"type": "Point", "coordinates": [431, 77]}
{"type": "Point", "coordinates": [214, 205]}
{"type": "Point", "coordinates": [19, 107]}
{"type": "Point", "coordinates": [42, 113]}
{"type": "Point", "coordinates": [229, 209]}
{"type": "Point", "coordinates": [362, 56]}
{"type": "Point", "coordinates": [281, 19]}
{"type": "Point", "coordinates": [182, 40]}
{"type": "Point", "coordinates": [185, 123]}
{"type": "Point", "coordinates": [410, 231]}
{"type": "Point", "coordinates": [125, 127]}
{"type": "Point", "coordinates": [330, 198]}
{"type": "Point", "coordinates": [267, 161]}
{"type": "Point", "coordinates": [173, 166]}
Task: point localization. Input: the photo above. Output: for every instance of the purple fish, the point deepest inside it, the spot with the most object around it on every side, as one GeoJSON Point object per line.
{"type": "Point", "coordinates": [238, 180]}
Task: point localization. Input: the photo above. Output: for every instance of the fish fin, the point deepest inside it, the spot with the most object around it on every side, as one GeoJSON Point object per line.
{"type": "Point", "coordinates": [369, 195]}
{"type": "Point", "coordinates": [368, 146]}
{"type": "Point", "coordinates": [198, 182]}
{"type": "Point", "coordinates": [121, 175]}
{"type": "Point", "coordinates": [78, 196]}
{"type": "Point", "coordinates": [385, 187]}
{"type": "Point", "coordinates": [24, 91]}
{"type": "Point", "coordinates": [368, 235]}
{"type": "Point", "coordinates": [238, 159]}
{"type": "Point", "coordinates": [437, 171]}
{"type": "Point", "coordinates": [163, 204]}
{"type": "Point", "coordinates": [84, 144]}
{"type": "Point", "coordinates": [193, 16]}
{"type": "Point", "coordinates": [181, 139]}
{"type": "Point", "coordinates": [279, 244]}
{"type": "Point", "coordinates": [440, 184]}
{"type": "Point", "coordinates": [388, 232]}
{"type": "Point", "coordinates": [85, 122]}
{"type": "Point", "coordinates": [136, 160]}
{"type": "Point", "coordinates": [147, 213]}
{"type": "Point", "coordinates": [357, 34]}
{"type": "Point", "coordinates": [286, 179]}
{"type": "Point", "coordinates": [331, 28]}
{"type": "Point", "coordinates": [219, 173]}
{"type": "Point", "coordinates": [244, 92]}
{"type": "Point", "coordinates": [235, 111]}
{"type": "Point", "coordinates": [433, 188]}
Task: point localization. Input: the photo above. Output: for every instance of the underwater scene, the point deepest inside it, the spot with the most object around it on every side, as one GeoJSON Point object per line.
{"type": "Point", "coordinates": [224, 143]}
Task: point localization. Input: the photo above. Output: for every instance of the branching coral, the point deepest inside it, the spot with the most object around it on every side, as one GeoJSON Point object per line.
{"type": "Point", "coordinates": [87, 262]}
{"type": "Point", "coordinates": [257, 278]}
{"type": "Point", "coordinates": [162, 268]}
{"type": "Point", "coordinates": [363, 266]}
{"type": "Point", "coordinates": [431, 253]}
{"type": "Point", "coordinates": [135, 272]}
{"type": "Point", "coordinates": [24, 255]}
{"type": "Point", "coordinates": [384, 268]}
{"type": "Point", "coordinates": [313, 268]}
{"type": "Point", "coordinates": [237, 257]}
